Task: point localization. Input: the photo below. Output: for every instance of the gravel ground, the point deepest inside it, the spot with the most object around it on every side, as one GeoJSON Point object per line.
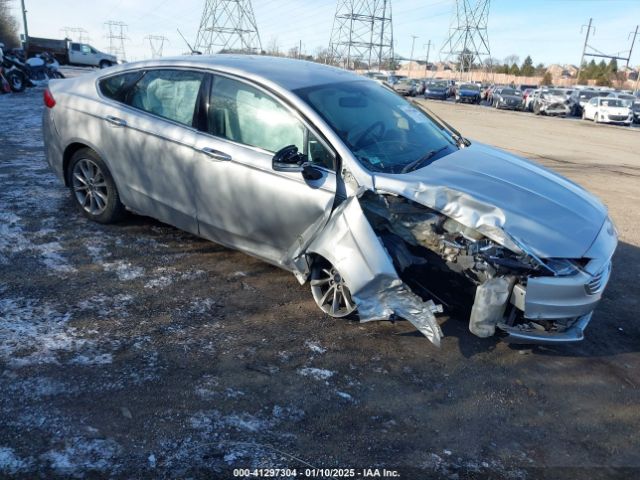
{"type": "Point", "coordinates": [138, 351]}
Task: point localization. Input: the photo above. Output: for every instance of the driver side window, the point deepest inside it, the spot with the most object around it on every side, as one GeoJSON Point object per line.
{"type": "Point", "coordinates": [246, 115]}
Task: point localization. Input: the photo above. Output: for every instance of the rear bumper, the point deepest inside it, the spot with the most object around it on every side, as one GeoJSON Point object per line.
{"type": "Point", "coordinates": [52, 147]}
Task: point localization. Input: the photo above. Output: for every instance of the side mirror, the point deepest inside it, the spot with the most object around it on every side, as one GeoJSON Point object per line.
{"type": "Point", "coordinates": [288, 160]}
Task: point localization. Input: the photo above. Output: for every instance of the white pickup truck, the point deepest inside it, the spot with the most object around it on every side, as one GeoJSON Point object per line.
{"type": "Point", "coordinates": [69, 52]}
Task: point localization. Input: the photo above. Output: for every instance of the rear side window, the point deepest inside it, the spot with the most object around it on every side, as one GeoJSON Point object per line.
{"type": "Point", "coordinates": [75, 47]}
{"type": "Point", "coordinates": [171, 94]}
{"type": "Point", "coordinates": [115, 87]}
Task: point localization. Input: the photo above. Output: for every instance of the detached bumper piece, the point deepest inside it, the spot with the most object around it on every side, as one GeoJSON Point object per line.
{"type": "Point", "coordinates": [574, 333]}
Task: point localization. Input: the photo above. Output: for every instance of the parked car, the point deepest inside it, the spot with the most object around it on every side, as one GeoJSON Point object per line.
{"type": "Point", "coordinates": [437, 89]}
{"type": "Point", "coordinates": [372, 200]}
{"type": "Point", "coordinates": [406, 87]}
{"type": "Point", "coordinates": [468, 93]}
{"type": "Point", "coordinates": [507, 98]}
{"type": "Point", "coordinates": [579, 98]}
{"type": "Point", "coordinates": [551, 102]}
{"type": "Point", "coordinates": [608, 110]}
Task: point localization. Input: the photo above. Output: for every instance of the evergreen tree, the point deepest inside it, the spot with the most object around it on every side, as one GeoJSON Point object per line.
{"type": "Point", "coordinates": [527, 69]}
{"type": "Point", "coordinates": [613, 66]}
{"type": "Point", "coordinates": [514, 70]}
{"type": "Point", "coordinates": [547, 79]}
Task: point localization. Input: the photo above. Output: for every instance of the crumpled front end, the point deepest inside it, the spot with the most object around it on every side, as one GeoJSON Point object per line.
{"type": "Point", "coordinates": [402, 258]}
{"type": "Point", "coordinates": [554, 105]}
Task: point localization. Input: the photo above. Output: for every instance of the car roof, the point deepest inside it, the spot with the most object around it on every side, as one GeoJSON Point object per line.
{"type": "Point", "coordinates": [288, 73]}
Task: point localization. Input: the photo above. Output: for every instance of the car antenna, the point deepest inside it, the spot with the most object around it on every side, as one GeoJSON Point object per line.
{"type": "Point", "coordinates": [193, 52]}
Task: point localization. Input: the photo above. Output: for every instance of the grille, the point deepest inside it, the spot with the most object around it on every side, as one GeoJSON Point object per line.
{"type": "Point", "coordinates": [618, 118]}
{"type": "Point", "coordinates": [598, 281]}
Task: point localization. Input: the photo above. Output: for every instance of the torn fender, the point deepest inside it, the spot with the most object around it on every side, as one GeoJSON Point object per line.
{"type": "Point", "coordinates": [351, 245]}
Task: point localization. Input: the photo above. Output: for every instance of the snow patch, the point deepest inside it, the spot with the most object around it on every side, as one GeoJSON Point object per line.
{"type": "Point", "coordinates": [124, 270]}
{"type": "Point", "coordinates": [316, 373]}
{"type": "Point", "coordinates": [10, 463]}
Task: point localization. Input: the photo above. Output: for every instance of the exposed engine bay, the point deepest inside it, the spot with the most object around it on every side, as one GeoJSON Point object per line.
{"type": "Point", "coordinates": [442, 260]}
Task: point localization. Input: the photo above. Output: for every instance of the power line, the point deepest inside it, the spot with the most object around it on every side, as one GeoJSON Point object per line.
{"type": "Point", "coordinates": [228, 25]}
{"type": "Point", "coordinates": [362, 33]}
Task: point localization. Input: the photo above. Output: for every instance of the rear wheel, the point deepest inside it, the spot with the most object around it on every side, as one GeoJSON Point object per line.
{"type": "Point", "coordinates": [105, 64]}
{"type": "Point", "coordinates": [330, 291]}
{"type": "Point", "coordinates": [93, 188]}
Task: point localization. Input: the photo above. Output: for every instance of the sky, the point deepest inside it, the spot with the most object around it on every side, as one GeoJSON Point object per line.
{"type": "Point", "coordinates": [548, 30]}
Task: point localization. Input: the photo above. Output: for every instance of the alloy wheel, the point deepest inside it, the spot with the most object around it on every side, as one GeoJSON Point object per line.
{"type": "Point", "coordinates": [90, 187]}
{"type": "Point", "coordinates": [330, 291]}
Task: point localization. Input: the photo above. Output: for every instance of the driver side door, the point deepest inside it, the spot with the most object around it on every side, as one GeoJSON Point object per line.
{"type": "Point", "coordinates": [241, 201]}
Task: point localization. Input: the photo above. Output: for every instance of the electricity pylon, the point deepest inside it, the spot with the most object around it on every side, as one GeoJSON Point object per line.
{"type": "Point", "coordinates": [156, 42]}
{"type": "Point", "coordinates": [468, 40]}
{"type": "Point", "coordinates": [116, 36]}
{"type": "Point", "coordinates": [228, 26]}
{"type": "Point", "coordinates": [362, 34]}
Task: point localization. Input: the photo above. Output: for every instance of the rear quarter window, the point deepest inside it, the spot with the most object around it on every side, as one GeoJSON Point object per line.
{"type": "Point", "coordinates": [115, 87]}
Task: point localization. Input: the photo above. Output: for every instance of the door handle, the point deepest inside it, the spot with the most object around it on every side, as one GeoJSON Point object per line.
{"type": "Point", "coordinates": [216, 154]}
{"type": "Point", "coordinates": [115, 121]}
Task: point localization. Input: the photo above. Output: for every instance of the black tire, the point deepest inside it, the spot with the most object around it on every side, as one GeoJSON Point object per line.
{"type": "Point", "coordinates": [17, 81]}
{"type": "Point", "coordinates": [105, 64]}
{"type": "Point", "coordinates": [100, 190]}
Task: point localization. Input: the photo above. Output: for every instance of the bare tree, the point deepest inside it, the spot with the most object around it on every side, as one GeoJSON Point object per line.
{"type": "Point", "coordinates": [273, 47]}
{"type": "Point", "coordinates": [511, 59]}
{"type": "Point", "coordinates": [8, 26]}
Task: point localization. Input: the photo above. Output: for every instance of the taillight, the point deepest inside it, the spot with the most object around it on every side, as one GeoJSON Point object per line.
{"type": "Point", "coordinates": [49, 101]}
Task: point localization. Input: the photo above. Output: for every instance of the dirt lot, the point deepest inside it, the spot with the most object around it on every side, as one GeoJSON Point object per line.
{"type": "Point", "coordinates": [138, 351]}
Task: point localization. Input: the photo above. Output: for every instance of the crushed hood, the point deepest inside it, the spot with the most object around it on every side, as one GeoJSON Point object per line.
{"type": "Point", "coordinates": [483, 188]}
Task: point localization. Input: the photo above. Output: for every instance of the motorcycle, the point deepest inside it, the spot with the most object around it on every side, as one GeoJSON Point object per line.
{"type": "Point", "coordinates": [34, 71]}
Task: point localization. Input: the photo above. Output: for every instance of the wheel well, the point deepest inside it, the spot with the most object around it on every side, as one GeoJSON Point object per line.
{"type": "Point", "coordinates": [66, 158]}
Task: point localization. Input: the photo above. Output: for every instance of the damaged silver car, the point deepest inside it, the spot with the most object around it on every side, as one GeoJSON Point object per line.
{"type": "Point", "coordinates": [385, 210]}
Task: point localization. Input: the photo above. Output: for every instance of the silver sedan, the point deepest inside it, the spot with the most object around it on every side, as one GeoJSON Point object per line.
{"type": "Point", "coordinates": [386, 210]}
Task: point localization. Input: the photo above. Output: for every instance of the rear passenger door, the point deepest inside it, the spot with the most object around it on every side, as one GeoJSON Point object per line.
{"type": "Point", "coordinates": [241, 201]}
{"type": "Point", "coordinates": [151, 147]}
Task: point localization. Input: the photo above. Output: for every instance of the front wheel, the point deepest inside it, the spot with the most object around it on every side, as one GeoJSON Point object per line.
{"type": "Point", "coordinates": [105, 64]}
{"type": "Point", "coordinates": [17, 81]}
{"type": "Point", "coordinates": [93, 188]}
{"type": "Point", "coordinates": [330, 291]}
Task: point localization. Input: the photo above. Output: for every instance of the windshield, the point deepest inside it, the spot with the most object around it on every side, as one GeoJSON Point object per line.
{"type": "Point", "coordinates": [470, 86]}
{"type": "Point", "coordinates": [383, 130]}
{"type": "Point", "coordinates": [438, 85]}
{"type": "Point", "coordinates": [613, 102]}
{"type": "Point", "coordinates": [558, 93]}
{"type": "Point", "coordinates": [509, 91]}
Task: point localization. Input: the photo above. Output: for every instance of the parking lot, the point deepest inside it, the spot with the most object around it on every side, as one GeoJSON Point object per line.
{"type": "Point", "coordinates": [138, 351]}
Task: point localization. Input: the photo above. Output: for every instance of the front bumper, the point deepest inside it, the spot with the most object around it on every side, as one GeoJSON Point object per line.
{"type": "Point", "coordinates": [565, 302]}
{"type": "Point", "coordinates": [435, 96]}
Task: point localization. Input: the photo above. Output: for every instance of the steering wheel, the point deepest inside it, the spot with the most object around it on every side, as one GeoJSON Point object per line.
{"type": "Point", "coordinates": [379, 125]}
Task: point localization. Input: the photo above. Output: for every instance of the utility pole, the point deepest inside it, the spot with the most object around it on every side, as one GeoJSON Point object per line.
{"type": "Point", "coordinates": [26, 28]}
{"type": "Point", "coordinates": [300, 50]}
{"type": "Point", "coordinates": [426, 65]}
{"type": "Point", "coordinates": [584, 49]}
{"type": "Point", "coordinates": [633, 41]}
{"type": "Point", "coordinates": [413, 43]}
